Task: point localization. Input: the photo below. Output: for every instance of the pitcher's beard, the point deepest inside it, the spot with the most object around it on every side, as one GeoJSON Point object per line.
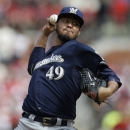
{"type": "Point", "coordinates": [64, 38]}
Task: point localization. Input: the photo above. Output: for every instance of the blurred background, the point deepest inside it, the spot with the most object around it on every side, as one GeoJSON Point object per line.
{"type": "Point", "coordinates": [106, 29]}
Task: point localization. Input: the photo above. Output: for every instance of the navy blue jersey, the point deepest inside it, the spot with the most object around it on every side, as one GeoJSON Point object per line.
{"type": "Point", "coordinates": [54, 87]}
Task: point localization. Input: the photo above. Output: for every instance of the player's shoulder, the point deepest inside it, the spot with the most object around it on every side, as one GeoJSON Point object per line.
{"type": "Point", "coordinates": [80, 47]}
{"type": "Point", "coordinates": [84, 47]}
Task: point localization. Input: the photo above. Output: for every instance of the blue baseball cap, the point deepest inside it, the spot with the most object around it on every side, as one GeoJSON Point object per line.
{"type": "Point", "coordinates": [72, 11]}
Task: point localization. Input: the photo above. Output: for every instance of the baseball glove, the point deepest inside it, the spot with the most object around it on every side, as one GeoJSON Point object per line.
{"type": "Point", "coordinates": [90, 84]}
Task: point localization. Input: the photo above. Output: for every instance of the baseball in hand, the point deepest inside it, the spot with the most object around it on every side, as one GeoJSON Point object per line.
{"type": "Point", "coordinates": [53, 18]}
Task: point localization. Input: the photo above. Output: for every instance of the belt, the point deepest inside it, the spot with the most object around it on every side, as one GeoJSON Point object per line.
{"type": "Point", "coordinates": [47, 121]}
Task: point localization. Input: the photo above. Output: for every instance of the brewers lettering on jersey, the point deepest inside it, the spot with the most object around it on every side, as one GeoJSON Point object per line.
{"type": "Point", "coordinates": [55, 65]}
{"type": "Point", "coordinates": [53, 58]}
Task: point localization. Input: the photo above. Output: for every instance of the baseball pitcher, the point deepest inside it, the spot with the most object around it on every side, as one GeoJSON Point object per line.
{"type": "Point", "coordinates": [61, 71]}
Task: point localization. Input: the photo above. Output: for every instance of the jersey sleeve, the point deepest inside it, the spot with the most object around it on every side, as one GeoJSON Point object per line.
{"type": "Point", "coordinates": [91, 59]}
{"type": "Point", "coordinates": [106, 72]}
{"type": "Point", "coordinates": [36, 55]}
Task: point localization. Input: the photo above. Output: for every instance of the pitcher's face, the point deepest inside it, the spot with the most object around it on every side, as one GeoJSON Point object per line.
{"type": "Point", "coordinates": [68, 28]}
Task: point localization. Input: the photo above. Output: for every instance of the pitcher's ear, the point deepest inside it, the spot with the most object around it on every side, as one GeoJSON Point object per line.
{"type": "Point", "coordinates": [79, 32]}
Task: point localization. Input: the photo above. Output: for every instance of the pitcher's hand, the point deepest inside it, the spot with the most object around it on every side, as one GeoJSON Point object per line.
{"type": "Point", "coordinates": [48, 28]}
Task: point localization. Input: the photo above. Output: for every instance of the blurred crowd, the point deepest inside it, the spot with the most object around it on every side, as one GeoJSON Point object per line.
{"type": "Point", "coordinates": [20, 24]}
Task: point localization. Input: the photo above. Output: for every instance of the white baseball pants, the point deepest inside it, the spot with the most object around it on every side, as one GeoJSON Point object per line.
{"type": "Point", "coordinates": [26, 124]}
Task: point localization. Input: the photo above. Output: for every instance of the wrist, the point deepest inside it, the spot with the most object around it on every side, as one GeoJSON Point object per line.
{"type": "Point", "coordinates": [109, 91]}
{"type": "Point", "coordinates": [47, 30]}
{"type": "Point", "coordinates": [45, 34]}
{"type": "Point", "coordinates": [104, 93]}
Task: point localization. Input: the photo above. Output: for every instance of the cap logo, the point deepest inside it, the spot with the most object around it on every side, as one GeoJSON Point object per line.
{"type": "Point", "coordinates": [72, 10]}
